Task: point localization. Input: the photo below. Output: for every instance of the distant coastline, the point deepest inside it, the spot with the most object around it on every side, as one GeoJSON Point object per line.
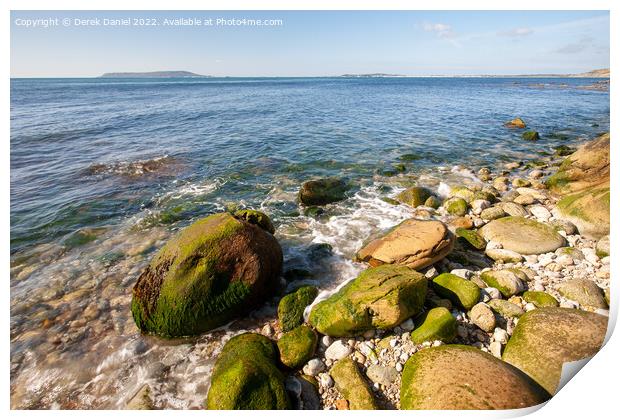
{"type": "Point", "coordinates": [152, 74]}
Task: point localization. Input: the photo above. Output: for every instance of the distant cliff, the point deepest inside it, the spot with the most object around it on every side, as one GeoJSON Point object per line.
{"type": "Point", "coordinates": [604, 73]}
{"type": "Point", "coordinates": [153, 74]}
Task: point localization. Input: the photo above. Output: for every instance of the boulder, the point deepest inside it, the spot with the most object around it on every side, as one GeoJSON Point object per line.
{"type": "Point", "coordinates": [461, 292]}
{"type": "Point", "coordinates": [414, 243]}
{"type": "Point", "coordinates": [322, 191]}
{"type": "Point", "coordinates": [506, 281]}
{"type": "Point", "coordinates": [522, 235]}
{"type": "Point", "coordinates": [505, 308]}
{"type": "Point", "coordinates": [585, 292]}
{"type": "Point", "coordinates": [291, 307]}
{"type": "Point", "coordinates": [540, 299]}
{"type": "Point", "coordinates": [458, 377]}
{"type": "Point", "coordinates": [216, 269]}
{"type": "Point", "coordinates": [414, 196]}
{"type": "Point", "coordinates": [351, 384]}
{"type": "Point", "coordinates": [297, 346]}
{"type": "Point", "coordinates": [380, 297]}
{"type": "Point", "coordinates": [515, 123]}
{"type": "Point", "coordinates": [546, 338]}
{"type": "Point", "coordinates": [588, 210]}
{"type": "Point", "coordinates": [456, 206]}
{"type": "Point", "coordinates": [436, 324]}
{"type": "Point", "coordinates": [245, 376]}
{"type": "Point", "coordinates": [530, 135]}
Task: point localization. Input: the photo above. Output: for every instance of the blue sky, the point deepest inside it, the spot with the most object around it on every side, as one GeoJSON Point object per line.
{"type": "Point", "coordinates": [317, 43]}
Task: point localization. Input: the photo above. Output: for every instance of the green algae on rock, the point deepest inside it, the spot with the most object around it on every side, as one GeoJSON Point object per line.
{"type": "Point", "coordinates": [530, 135]}
{"type": "Point", "coordinates": [506, 281]}
{"type": "Point", "coordinates": [257, 218]}
{"type": "Point", "coordinates": [458, 377]}
{"type": "Point", "coordinates": [297, 346]}
{"type": "Point", "coordinates": [463, 192]}
{"type": "Point", "coordinates": [380, 297]}
{"type": "Point", "coordinates": [522, 235]}
{"type": "Point", "coordinates": [546, 338]}
{"type": "Point", "coordinates": [472, 237]}
{"type": "Point", "coordinates": [456, 206]}
{"type": "Point", "coordinates": [436, 324]}
{"type": "Point", "coordinates": [461, 292]}
{"type": "Point", "coordinates": [214, 270]}
{"type": "Point", "coordinates": [352, 385]}
{"type": "Point", "coordinates": [505, 308]}
{"type": "Point", "coordinates": [291, 307]}
{"type": "Point", "coordinates": [414, 196]}
{"type": "Point", "coordinates": [585, 292]}
{"type": "Point", "coordinates": [540, 299]}
{"type": "Point", "coordinates": [322, 191]}
{"type": "Point", "coordinates": [245, 376]}
{"type": "Point", "coordinates": [589, 210]}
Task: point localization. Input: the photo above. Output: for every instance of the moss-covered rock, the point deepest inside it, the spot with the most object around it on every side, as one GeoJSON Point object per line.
{"type": "Point", "coordinates": [291, 307]}
{"type": "Point", "coordinates": [583, 291]}
{"type": "Point", "coordinates": [522, 235]}
{"type": "Point", "coordinates": [432, 202]}
{"type": "Point", "coordinates": [297, 346]}
{"type": "Point", "coordinates": [546, 338]}
{"type": "Point", "coordinates": [463, 192]}
{"type": "Point", "coordinates": [457, 377]}
{"type": "Point", "coordinates": [530, 135]}
{"type": "Point", "coordinates": [245, 376]}
{"type": "Point", "coordinates": [218, 268]}
{"type": "Point", "coordinates": [540, 299]}
{"type": "Point", "coordinates": [492, 213]}
{"type": "Point", "coordinates": [414, 196]}
{"type": "Point", "coordinates": [322, 191]}
{"type": "Point", "coordinates": [461, 292]}
{"type": "Point", "coordinates": [390, 201]}
{"type": "Point", "coordinates": [256, 217]}
{"type": "Point", "coordinates": [436, 324]}
{"type": "Point", "coordinates": [505, 308]}
{"type": "Point", "coordinates": [380, 297]}
{"type": "Point", "coordinates": [506, 281]}
{"type": "Point", "coordinates": [456, 206]}
{"type": "Point", "coordinates": [352, 385]}
{"type": "Point", "coordinates": [471, 237]}
{"type": "Point", "coordinates": [485, 195]}
{"type": "Point", "coordinates": [589, 210]}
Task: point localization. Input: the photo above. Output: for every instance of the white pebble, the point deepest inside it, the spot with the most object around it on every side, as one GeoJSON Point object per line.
{"type": "Point", "coordinates": [326, 341]}
{"type": "Point", "coordinates": [314, 367]}
{"type": "Point", "coordinates": [500, 335]}
{"type": "Point", "coordinates": [399, 367]}
{"type": "Point", "coordinates": [337, 350]}
{"type": "Point", "coordinates": [493, 292]}
{"type": "Point", "coordinates": [408, 325]}
{"type": "Point", "coordinates": [326, 380]}
{"type": "Point", "coordinates": [496, 349]}
{"type": "Point", "coordinates": [462, 272]}
{"type": "Point", "coordinates": [529, 307]}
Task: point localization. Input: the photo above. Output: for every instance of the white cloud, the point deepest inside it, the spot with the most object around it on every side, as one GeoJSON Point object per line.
{"type": "Point", "coordinates": [441, 29]}
{"type": "Point", "coordinates": [516, 32]}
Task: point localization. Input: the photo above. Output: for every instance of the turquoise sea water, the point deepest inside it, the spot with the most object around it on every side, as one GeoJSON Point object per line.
{"type": "Point", "coordinates": [103, 171]}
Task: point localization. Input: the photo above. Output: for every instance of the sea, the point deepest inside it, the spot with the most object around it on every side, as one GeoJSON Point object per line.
{"type": "Point", "coordinates": [104, 171]}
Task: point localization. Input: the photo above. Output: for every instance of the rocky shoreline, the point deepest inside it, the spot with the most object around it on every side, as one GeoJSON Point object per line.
{"type": "Point", "coordinates": [499, 284]}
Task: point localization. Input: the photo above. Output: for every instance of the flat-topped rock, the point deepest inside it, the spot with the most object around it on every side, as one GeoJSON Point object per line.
{"type": "Point", "coordinates": [322, 191]}
{"type": "Point", "coordinates": [522, 235]}
{"type": "Point", "coordinates": [585, 292]}
{"type": "Point", "coordinates": [546, 338]}
{"type": "Point", "coordinates": [457, 377]}
{"type": "Point", "coordinates": [413, 243]}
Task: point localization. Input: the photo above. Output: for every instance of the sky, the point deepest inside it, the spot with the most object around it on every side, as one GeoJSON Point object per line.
{"type": "Point", "coordinates": [310, 43]}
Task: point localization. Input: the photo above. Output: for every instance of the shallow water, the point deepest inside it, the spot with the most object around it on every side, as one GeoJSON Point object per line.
{"type": "Point", "coordinates": [103, 172]}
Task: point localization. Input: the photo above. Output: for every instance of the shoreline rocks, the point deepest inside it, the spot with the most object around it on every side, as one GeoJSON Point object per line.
{"type": "Point", "coordinates": [521, 235]}
{"type": "Point", "coordinates": [322, 191]}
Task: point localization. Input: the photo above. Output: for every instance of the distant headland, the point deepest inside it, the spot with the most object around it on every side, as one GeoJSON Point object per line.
{"type": "Point", "coordinates": [152, 74]}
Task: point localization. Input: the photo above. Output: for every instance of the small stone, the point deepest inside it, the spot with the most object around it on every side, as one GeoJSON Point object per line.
{"type": "Point", "coordinates": [369, 334]}
{"type": "Point", "coordinates": [462, 272]}
{"type": "Point", "coordinates": [500, 335]}
{"type": "Point", "coordinates": [342, 404]}
{"type": "Point", "coordinates": [408, 325]}
{"type": "Point", "coordinates": [326, 341]}
{"type": "Point", "coordinates": [314, 367]}
{"type": "Point", "coordinates": [496, 349]}
{"type": "Point", "coordinates": [525, 200]}
{"type": "Point", "coordinates": [504, 255]}
{"type": "Point", "coordinates": [493, 292]}
{"type": "Point", "coordinates": [540, 212]}
{"type": "Point", "coordinates": [565, 260]}
{"type": "Point", "coordinates": [530, 307]}
{"type": "Point", "coordinates": [483, 317]}
{"type": "Point", "coordinates": [399, 367]}
{"type": "Point", "coordinates": [337, 350]}
{"type": "Point", "coordinates": [382, 374]}
{"type": "Point", "coordinates": [325, 380]}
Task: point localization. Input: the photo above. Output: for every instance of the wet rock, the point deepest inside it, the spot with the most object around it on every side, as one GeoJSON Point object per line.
{"type": "Point", "coordinates": [433, 379]}
{"type": "Point", "coordinates": [384, 375]}
{"type": "Point", "coordinates": [310, 398]}
{"type": "Point", "coordinates": [257, 218]}
{"type": "Point", "coordinates": [505, 308]}
{"type": "Point", "coordinates": [456, 206]}
{"type": "Point", "coordinates": [380, 297]}
{"type": "Point", "coordinates": [483, 317]}
{"type": "Point", "coordinates": [546, 338]}
{"type": "Point", "coordinates": [515, 123]}
{"type": "Point", "coordinates": [245, 376]}
{"type": "Point", "coordinates": [291, 307]}
{"type": "Point", "coordinates": [216, 269]}
{"type": "Point", "coordinates": [351, 384]}
{"type": "Point", "coordinates": [432, 202]}
{"type": "Point", "coordinates": [522, 235]}
{"type": "Point", "coordinates": [530, 135]}
{"type": "Point", "coordinates": [460, 291]}
{"type": "Point", "coordinates": [436, 324]}
{"type": "Point", "coordinates": [540, 299]}
{"type": "Point", "coordinates": [414, 243]}
{"type": "Point", "coordinates": [297, 346]}
{"type": "Point", "coordinates": [583, 291]}
{"type": "Point", "coordinates": [414, 196]}
{"type": "Point", "coordinates": [322, 191]}
{"type": "Point", "coordinates": [506, 281]}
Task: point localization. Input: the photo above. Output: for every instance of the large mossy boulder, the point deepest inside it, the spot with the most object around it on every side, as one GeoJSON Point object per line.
{"type": "Point", "coordinates": [522, 235]}
{"type": "Point", "coordinates": [413, 243]}
{"type": "Point", "coordinates": [546, 338]}
{"type": "Point", "coordinates": [414, 196]}
{"type": "Point", "coordinates": [589, 210]}
{"type": "Point", "coordinates": [380, 297]}
{"type": "Point", "coordinates": [460, 291]}
{"type": "Point", "coordinates": [291, 307]}
{"type": "Point", "coordinates": [322, 191]}
{"type": "Point", "coordinates": [436, 324]}
{"type": "Point", "coordinates": [352, 385]}
{"type": "Point", "coordinates": [245, 376]}
{"type": "Point", "coordinates": [297, 346]}
{"type": "Point", "coordinates": [457, 377]}
{"type": "Point", "coordinates": [214, 270]}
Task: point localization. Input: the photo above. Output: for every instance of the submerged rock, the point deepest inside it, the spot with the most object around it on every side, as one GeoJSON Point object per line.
{"type": "Point", "coordinates": [461, 292]}
{"type": "Point", "coordinates": [414, 196]}
{"type": "Point", "coordinates": [457, 377]}
{"type": "Point", "coordinates": [291, 307]}
{"type": "Point", "coordinates": [522, 235]}
{"type": "Point", "coordinates": [436, 324]}
{"type": "Point", "coordinates": [380, 297]}
{"type": "Point", "coordinates": [546, 338]}
{"type": "Point", "coordinates": [351, 384]}
{"type": "Point", "coordinates": [585, 292]}
{"type": "Point", "coordinates": [297, 346]}
{"type": "Point", "coordinates": [214, 270]}
{"type": "Point", "coordinates": [322, 191]}
{"type": "Point", "coordinates": [515, 123]}
{"type": "Point", "coordinates": [245, 376]}
{"type": "Point", "coordinates": [530, 135]}
{"type": "Point", "coordinates": [414, 243]}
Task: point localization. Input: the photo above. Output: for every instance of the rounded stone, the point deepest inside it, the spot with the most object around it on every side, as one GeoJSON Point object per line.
{"type": "Point", "coordinates": [297, 346]}
{"type": "Point", "coordinates": [460, 291]}
{"type": "Point", "coordinates": [483, 317]}
{"type": "Point", "coordinates": [522, 235]}
{"type": "Point", "coordinates": [414, 196]}
{"type": "Point", "coordinates": [585, 292]}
